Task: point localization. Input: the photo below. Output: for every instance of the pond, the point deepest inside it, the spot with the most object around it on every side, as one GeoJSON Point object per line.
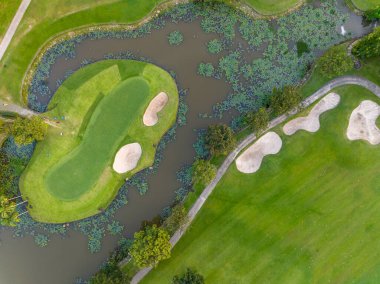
{"type": "Point", "coordinates": [64, 259]}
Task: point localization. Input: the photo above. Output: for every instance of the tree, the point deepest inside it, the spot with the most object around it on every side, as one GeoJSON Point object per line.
{"type": "Point", "coordinates": [189, 277]}
{"type": "Point", "coordinates": [25, 131]}
{"type": "Point", "coordinates": [220, 139]}
{"type": "Point", "coordinates": [259, 120]}
{"type": "Point", "coordinates": [150, 246]}
{"type": "Point", "coordinates": [368, 46]}
{"type": "Point", "coordinates": [202, 172]}
{"type": "Point", "coordinates": [109, 274]}
{"type": "Point", "coordinates": [177, 220]}
{"type": "Point", "coordinates": [335, 62]}
{"type": "Point", "coordinates": [8, 213]}
{"type": "Point", "coordinates": [373, 14]}
{"type": "Point", "coordinates": [285, 100]}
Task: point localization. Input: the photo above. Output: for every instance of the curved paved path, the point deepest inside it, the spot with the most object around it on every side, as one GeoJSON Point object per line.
{"type": "Point", "coordinates": [340, 81]}
{"type": "Point", "coordinates": [13, 26]}
{"type": "Point", "coordinates": [13, 108]}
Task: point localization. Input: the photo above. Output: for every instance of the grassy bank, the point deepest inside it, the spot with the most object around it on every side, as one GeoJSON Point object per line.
{"type": "Point", "coordinates": [272, 7]}
{"type": "Point", "coordinates": [364, 5]}
{"type": "Point", "coordinates": [99, 109]}
{"type": "Point", "coordinates": [303, 217]}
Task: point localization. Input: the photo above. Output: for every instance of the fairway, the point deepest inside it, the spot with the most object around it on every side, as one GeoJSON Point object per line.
{"type": "Point", "coordinates": [309, 215]}
{"type": "Point", "coordinates": [99, 109]}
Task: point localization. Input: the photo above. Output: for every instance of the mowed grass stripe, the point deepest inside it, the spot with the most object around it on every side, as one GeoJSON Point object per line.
{"type": "Point", "coordinates": [109, 125]}
{"type": "Point", "coordinates": [309, 215]}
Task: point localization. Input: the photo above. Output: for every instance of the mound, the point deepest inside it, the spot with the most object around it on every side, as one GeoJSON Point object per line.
{"type": "Point", "coordinates": [127, 157]}
{"type": "Point", "coordinates": [362, 125]}
{"type": "Point", "coordinates": [311, 122]}
{"type": "Point", "coordinates": [150, 117]}
{"type": "Point", "coordinates": [250, 161]}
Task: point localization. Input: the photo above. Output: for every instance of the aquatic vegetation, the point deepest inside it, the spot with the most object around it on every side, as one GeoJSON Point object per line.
{"type": "Point", "coordinates": [214, 46]}
{"type": "Point", "coordinates": [175, 38]}
{"type": "Point", "coordinates": [206, 69]}
{"type": "Point", "coordinates": [41, 240]}
{"type": "Point", "coordinates": [115, 228]}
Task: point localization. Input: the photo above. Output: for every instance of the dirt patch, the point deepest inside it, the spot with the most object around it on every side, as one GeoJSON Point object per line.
{"type": "Point", "coordinates": [250, 161]}
{"type": "Point", "coordinates": [362, 125]}
{"type": "Point", "coordinates": [155, 106]}
{"type": "Point", "coordinates": [127, 157]}
{"type": "Point", "coordinates": [311, 122]}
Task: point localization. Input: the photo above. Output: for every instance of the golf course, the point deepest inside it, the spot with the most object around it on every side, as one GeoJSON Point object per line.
{"type": "Point", "coordinates": [312, 205]}
{"type": "Point", "coordinates": [97, 111]}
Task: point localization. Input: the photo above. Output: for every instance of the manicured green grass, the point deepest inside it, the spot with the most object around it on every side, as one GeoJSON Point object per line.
{"type": "Point", "coordinates": [272, 7]}
{"type": "Point", "coordinates": [59, 15]}
{"type": "Point", "coordinates": [70, 175]}
{"type": "Point", "coordinates": [8, 9]}
{"type": "Point", "coordinates": [366, 4]}
{"type": "Point", "coordinates": [309, 215]}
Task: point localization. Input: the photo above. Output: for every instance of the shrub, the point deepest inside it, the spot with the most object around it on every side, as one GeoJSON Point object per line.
{"type": "Point", "coordinates": [373, 14]}
{"type": "Point", "coordinates": [335, 62]}
{"type": "Point", "coordinates": [214, 46]}
{"type": "Point", "coordinates": [175, 38]}
{"type": "Point", "coordinates": [150, 246]}
{"type": "Point", "coordinates": [177, 219]}
{"type": "Point", "coordinates": [220, 139]}
{"type": "Point", "coordinates": [302, 48]}
{"type": "Point", "coordinates": [189, 277]}
{"type": "Point", "coordinates": [203, 172]}
{"type": "Point", "coordinates": [206, 69]}
{"type": "Point", "coordinates": [26, 131]}
{"type": "Point", "coordinates": [285, 100]}
{"type": "Point", "coordinates": [109, 274]}
{"type": "Point", "coordinates": [368, 46]}
{"type": "Point", "coordinates": [258, 120]}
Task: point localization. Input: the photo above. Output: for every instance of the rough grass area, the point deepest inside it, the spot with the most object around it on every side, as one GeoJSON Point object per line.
{"type": "Point", "coordinates": [309, 215]}
{"type": "Point", "coordinates": [8, 9]}
{"type": "Point", "coordinates": [70, 175]}
{"type": "Point", "coordinates": [272, 7]}
{"type": "Point", "coordinates": [365, 4]}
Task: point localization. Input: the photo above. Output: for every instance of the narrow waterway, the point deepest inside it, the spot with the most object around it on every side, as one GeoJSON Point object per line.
{"type": "Point", "coordinates": [21, 261]}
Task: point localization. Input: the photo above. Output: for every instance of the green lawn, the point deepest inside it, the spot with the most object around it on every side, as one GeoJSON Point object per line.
{"type": "Point", "coordinates": [309, 215]}
{"type": "Point", "coordinates": [365, 4]}
{"type": "Point", "coordinates": [272, 7]}
{"type": "Point", "coordinates": [8, 9]}
{"type": "Point", "coordinates": [70, 175]}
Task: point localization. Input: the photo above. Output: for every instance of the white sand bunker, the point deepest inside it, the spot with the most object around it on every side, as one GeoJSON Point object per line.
{"type": "Point", "coordinates": [362, 123]}
{"type": "Point", "coordinates": [127, 157]}
{"type": "Point", "coordinates": [250, 161]}
{"type": "Point", "coordinates": [311, 122]}
{"type": "Point", "coordinates": [155, 106]}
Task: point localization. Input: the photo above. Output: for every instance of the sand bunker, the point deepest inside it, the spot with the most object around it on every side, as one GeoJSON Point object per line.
{"type": "Point", "coordinates": [155, 106]}
{"type": "Point", "coordinates": [250, 161]}
{"type": "Point", "coordinates": [127, 157]}
{"type": "Point", "coordinates": [311, 122]}
{"type": "Point", "coordinates": [362, 123]}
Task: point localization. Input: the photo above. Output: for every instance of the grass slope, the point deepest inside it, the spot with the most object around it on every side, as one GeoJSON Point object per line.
{"type": "Point", "coordinates": [8, 9]}
{"type": "Point", "coordinates": [272, 7]}
{"type": "Point", "coordinates": [309, 215]}
{"type": "Point", "coordinates": [70, 176]}
{"type": "Point", "coordinates": [365, 4]}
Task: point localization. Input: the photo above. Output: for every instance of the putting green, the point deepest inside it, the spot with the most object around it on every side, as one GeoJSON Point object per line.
{"type": "Point", "coordinates": [70, 175]}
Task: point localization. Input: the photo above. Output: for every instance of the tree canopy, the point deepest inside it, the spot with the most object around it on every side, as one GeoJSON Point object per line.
{"type": "Point", "coordinates": [220, 139]}
{"type": "Point", "coordinates": [8, 213]}
{"type": "Point", "coordinates": [177, 219]}
{"type": "Point", "coordinates": [368, 46]}
{"type": "Point", "coordinates": [202, 172]}
{"type": "Point", "coordinates": [335, 62]}
{"type": "Point", "coordinates": [189, 277]}
{"type": "Point", "coordinates": [285, 100]}
{"type": "Point", "coordinates": [25, 131]}
{"type": "Point", "coordinates": [150, 246]}
{"type": "Point", "coordinates": [373, 14]}
{"type": "Point", "coordinates": [258, 120]}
